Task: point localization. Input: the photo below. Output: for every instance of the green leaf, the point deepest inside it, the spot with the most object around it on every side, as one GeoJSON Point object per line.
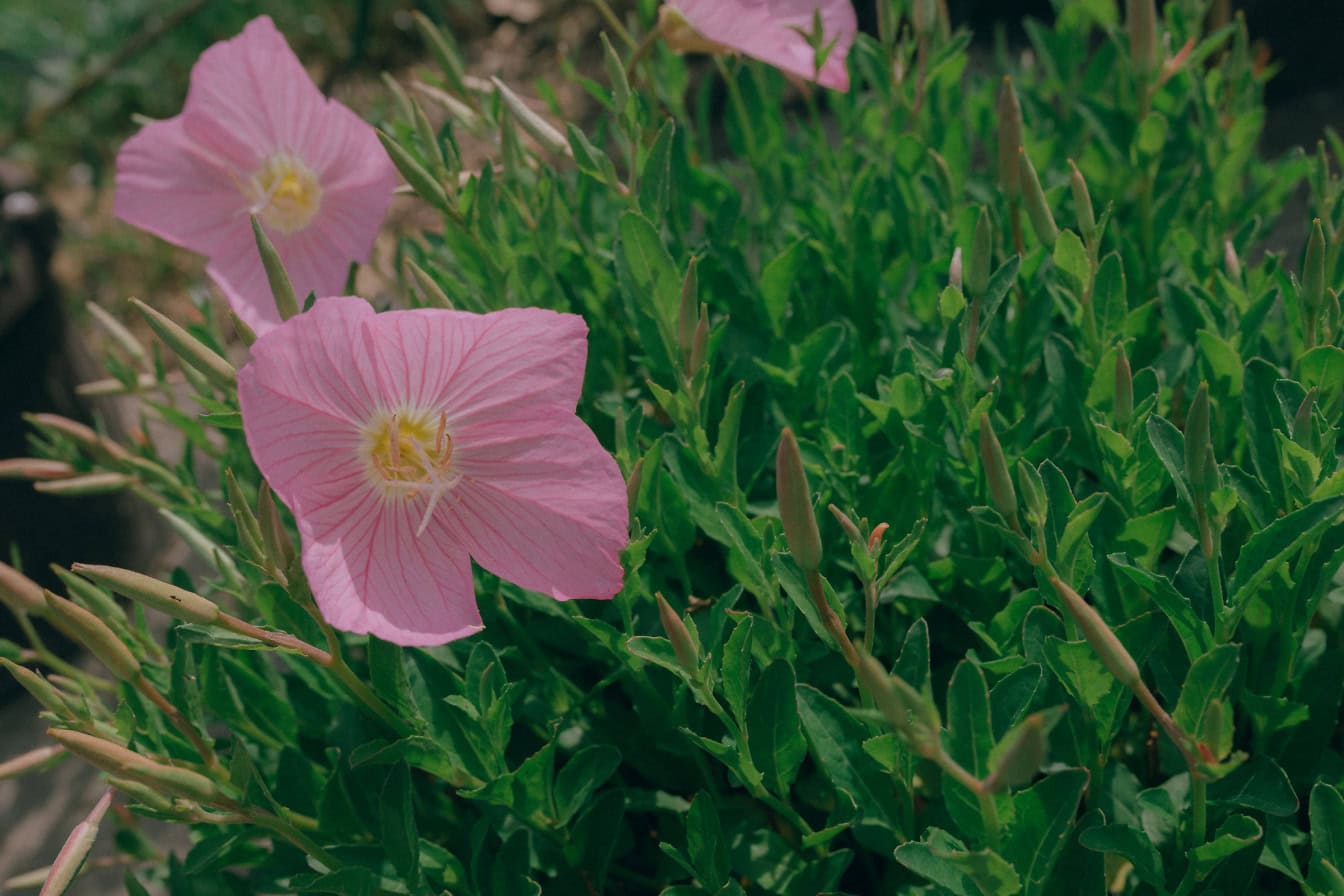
{"type": "Point", "coordinates": [1238, 832]}
{"type": "Point", "coordinates": [655, 177]}
{"type": "Point", "coordinates": [651, 285]}
{"type": "Point", "coordinates": [958, 871]}
{"type": "Point", "coordinates": [1169, 444]}
{"type": "Point", "coordinates": [1131, 845]}
{"type": "Point", "coordinates": [1257, 784]}
{"type": "Point", "coordinates": [1326, 812]}
{"type": "Point", "coordinates": [773, 727]}
{"type": "Point", "coordinates": [1322, 368]}
{"type": "Point", "coordinates": [704, 841]}
{"type": "Point", "coordinates": [969, 738]}
{"type": "Point", "coordinates": [745, 542]}
{"type": "Point", "coordinates": [1267, 549]}
{"type": "Point", "coordinates": [1193, 632]}
{"type": "Point", "coordinates": [586, 771]}
{"type": "Point", "coordinates": [1071, 258]}
{"type": "Point", "coordinates": [1207, 680]}
{"type": "Point", "coordinates": [777, 278]}
{"type": "Point", "coordinates": [735, 668]}
{"type": "Point", "coordinates": [399, 836]}
{"type": "Point", "coordinates": [1043, 816]}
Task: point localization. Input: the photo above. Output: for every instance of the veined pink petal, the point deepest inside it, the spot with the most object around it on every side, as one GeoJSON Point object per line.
{"type": "Point", "coordinates": [477, 366]}
{"type": "Point", "coordinates": [321, 360]}
{"type": "Point", "coordinates": [174, 188]}
{"type": "Point", "coordinates": [541, 504]}
{"type": "Point", "coordinates": [370, 572]}
{"type": "Point", "coordinates": [768, 30]}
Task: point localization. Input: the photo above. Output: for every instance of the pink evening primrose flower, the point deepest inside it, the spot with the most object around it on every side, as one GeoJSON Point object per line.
{"type": "Point", "coordinates": [769, 30]}
{"type": "Point", "coordinates": [256, 137]}
{"type": "Point", "coordinates": [410, 442]}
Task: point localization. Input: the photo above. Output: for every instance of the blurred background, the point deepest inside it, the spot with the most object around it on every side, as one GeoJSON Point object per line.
{"type": "Point", "coordinates": [75, 75]}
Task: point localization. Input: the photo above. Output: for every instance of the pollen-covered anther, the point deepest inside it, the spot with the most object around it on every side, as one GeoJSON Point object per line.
{"type": "Point", "coordinates": [284, 193]}
{"type": "Point", "coordinates": [410, 454]}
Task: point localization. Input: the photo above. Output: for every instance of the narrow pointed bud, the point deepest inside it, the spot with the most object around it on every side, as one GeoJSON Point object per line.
{"type": "Point", "coordinates": [432, 292]}
{"type": "Point", "coordinates": [1033, 492]}
{"type": "Point", "coordinates": [687, 654]}
{"type": "Point", "coordinates": [1082, 204]}
{"type": "Point", "coordinates": [118, 333]}
{"type": "Point", "coordinates": [176, 602]}
{"type": "Point", "coordinates": [847, 524]}
{"type": "Point", "coordinates": [924, 16]}
{"type": "Point", "coordinates": [1022, 756]}
{"type": "Point", "coordinates": [425, 131]}
{"type": "Point", "coordinates": [142, 793]}
{"type": "Point", "coordinates": [274, 538]}
{"type": "Point", "coordinates": [76, 849]}
{"type": "Point", "coordinates": [616, 77]}
{"type": "Point", "coordinates": [20, 593]}
{"type": "Point", "coordinates": [700, 342]}
{"type": "Point", "coordinates": [1231, 263]}
{"type": "Point", "coordinates": [35, 468]}
{"type": "Point", "coordinates": [282, 288]}
{"type": "Point", "coordinates": [1197, 441]}
{"type": "Point", "coordinates": [249, 528]}
{"type": "Point", "coordinates": [795, 504]}
{"type": "Point", "coordinates": [688, 315]}
{"type": "Point", "coordinates": [632, 486]}
{"type": "Point", "coordinates": [1313, 270]}
{"type": "Point", "coordinates": [1033, 197]}
{"type": "Point", "coordinates": [954, 269]}
{"type": "Point", "coordinates": [1302, 433]}
{"type": "Point", "coordinates": [83, 436]}
{"type": "Point", "coordinates": [996, 474]}
{"type": "Point", "coordinates": [98, 601]}
{"type": "Point", "coordinates": [1141, 23]}
{"type": "Point", "coordinates": [33, 760]}
{"type": "Point", "coordinates": [424, 183]}
{"type": "Point", "coordinates": [981, 259]}
{"type": "Point", "coordinates": [246, 334]}
{"type": "Point", "coordinates": [88, 484]}
{"type": "Point", "coordinates": [538, 128]}
{"type": "Point", "coordinates": [191, 350]}
{"type": "Point", "coordinates": [904, 708]}
{"type": "Point", "coordinates": [41, 690]}
{"type": "Point", "coordinates": [443, 51]}
{"type": "Point", "coordinates": [121, 762]}
{"type": "Point", "coordinates": [94, 634]}
{"type": "Point", "coordinates": [1124, 388]}
{"type": "Point", "coordinates": [1107, 646]}
{"type": "Point", "coordinates": [1009, 114]}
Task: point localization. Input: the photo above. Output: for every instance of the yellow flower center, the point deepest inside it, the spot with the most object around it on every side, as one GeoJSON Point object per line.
{"type": "Point", "coordinates": [284, 193]}
{"type": "Point", "coordinates": [410, 453]}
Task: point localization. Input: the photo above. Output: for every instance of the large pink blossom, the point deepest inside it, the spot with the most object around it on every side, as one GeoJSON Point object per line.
{"type": "Point", "coordinates": [771, 31]}
{"type": "Point", "coordinates": [256, 137]}
{"type": "Point", "coordinates": [408, 442]}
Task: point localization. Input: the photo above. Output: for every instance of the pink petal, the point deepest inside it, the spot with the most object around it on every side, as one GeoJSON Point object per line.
{"type": "Point", "coordinates": [176, 189]}
{"type": "Point", "coordinates": [250, 96]}
{"type": "Point", "coordinates": [320, 361]}
{"type": "Point", "coordinates": [370, 573]}
{"type": "Point", "coordinates": [540, 503]}
{"type": "Point", "coordinates": [765, 30]}
{"type": "Point", "coordinates": [477, 366]}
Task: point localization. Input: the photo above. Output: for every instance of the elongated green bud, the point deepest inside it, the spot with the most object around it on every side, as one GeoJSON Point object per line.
{"type": "Point", "coordinates": [33, 760]}
{"type": "Point", "coordinates": [688, 315]}
{"type": "Point", "coordinates": [1033, 197]}
{"type": "Point", "coordinates": [41, 690]}
{"type": "Point", "coordinates": [94, 634]}
{"type": "Point", "coordinates": [904, 708]}
{"type": "Point", "coordinates": [1009, 113]}
{"type": "Point", "coordinates": [76, 850]}
{"type": "Point", "coordinates": [1022, 756]}
{"type": "Point", "coordinates": [433, 293]}
{"type": "Point", "coordinates": [981, 259]}
{"type": "Point", "coordinates": [1231, 262]}
{"type": "Point", "coordinates": [1302, 432]}
{"type": "Point", "coordinates": [190, 349]}
{"type": "Point", "coordinates": [123, 763]}
{"type": "Point", "coordinates": [249, 528]}
{"type": "Point", "coordinates": [1105, 644]}
{"type": "Point", "coordinates": [1197, 441]}
{"type": "Point", "coordinates": [83, 436]}
{"type": "Point", "coordinates": [847, 524]}
{"type": "Point", "coordinates": [954, 270]}
{"type": "Point", "coordinates": [142, 793]}
{"type": "Point", "coordinates": [1141, 23]}
{"type": "Point", "coordinates": [443, 51]}
{"type": "Point", "coordinates": [282, 288]}
{"type": "Point", "coordinates": [795, 504]}
{"type": "Point", "coordinates": [119, 334]}
{"type": "Point", "coordinates": [924, 16]}
{"type": "Point", "coordinates": [1033, 492]}
{"type": "Point", "coordinates": [700, 342]}
{"type": "Point", "coordinates": [996, 474]}
{"type": "Point", "coordinates": [176, 602]}
{"type": "Point", "coordinates": [538, 128]}
{"type": "Point", "coordinates": [279, 547]}
{"type": "Point", "coordinates": [1124, 388]}
{"type": "Point", "coordinates": [88, 484]}
{"type": "Point", "coordinates": [415, 174]}
{"type": "Point", "coordinates": [687, 654]}
{"type": "Point", "coordinates": [1313, 270]}
{"type": "Point", "coordinates": [1082, 204]}
{"type": "Point", "coordinates": [35, 468]}
{"type": "Point", "coordinates": [20, 593]}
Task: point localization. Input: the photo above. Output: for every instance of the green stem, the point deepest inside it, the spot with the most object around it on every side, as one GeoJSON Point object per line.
{"type": "Point", "coordinates": [1199, 811]}
{"type": "Point", "coordinates": [869, 614]}
{"type": "Point", "coordinates": [989, 813]}
{"type": "Point", "coordinates": [614, 21]}
{"type": "Point", "coordinates": [739, 109]}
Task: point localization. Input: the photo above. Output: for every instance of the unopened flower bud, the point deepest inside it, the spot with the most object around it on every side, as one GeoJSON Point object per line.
{"type": "Point", "coordinates": [981, 258]}
{"type": "Point", "coordinates": [249, 529]}
{"type": "Point", "coordinates": [1124, 388]}
{"type": "Point", "coordinates": [426, 186]}
{"type": "Point", "coordinates": [1313, 270]}
{"type": "Point", "coordinates": [795, 504]}
{"type": "Point", "coordinates": [537, 127]}
{"type": "Point", "coordinates": [687, 654]}
{"type": "Point", "coordinates": [121, 762]}
{"type": "Point", "coordinates": [31, 761]}
{"type": "Point", "coordinates": [1141, 23]}
{"type": "Point", "coordinates": [20, 593]}
{"type": "Point", "coordinates": [851, 530]}
{"type": "Point", "coordinates": [176, 602]}
{"type": "Point", "coordinates": [76, 850]}
{"type": "Point", "coordinates": [1107, 646]}
{"type": "Point", "coordinates": [282, 288]}
{"type": "Point", "coordinates": [83, 436]}
{"type": "Point", "coordinates": [88, 484]}
{"type": "Point", "coordinates": [1231, 263]}
{"type": "Point", "coordinates": [904, 708]}
{"type": "Point", "coordinates": [1302, 431]}
{"type": "Point", "coordinates": [142, 793]}
{"type": "Point", "coordinates": [1197, 440]}
{"type": "Point", "coordinates": [35, 468]}
{"type": "Point", "coordinates": [1022, 755]}
{"type": "Point", "coordinates": [924, 16]}
{"type": "Point", "coordinates": [954, 269]}
{"type": "Point", "coordinates": [700, 343]}
{"type": "Point", "coordinates": [189, 349]}
{"type": "Point", "coordinates": [1009, 114]}
{"type": "Point", "coordinates": [687, 316]}
{"type": "Point", "coordinates": [1033, 492]}
{"type": "Point", "coordinates": [1033, 197]}
{"type": "Point", "coordinates": [996, 474]}
{"type": "Point", "coordinates": [41, 690]}
{"type": "Point", "coordinates": [120, 335]}
{"type": "Point", "coordinates": [1082, 204]}
{"type": "Point", "coordinates": [274, 537]}
{"type": "Point", "coordinates": [94, 634]}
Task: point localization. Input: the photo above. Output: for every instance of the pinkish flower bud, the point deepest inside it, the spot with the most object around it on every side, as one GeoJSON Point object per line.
{"type": "Point", "coordinates": [20, 593]}
{"type": "Point", "coordinates": [41, 690]}
{"type": "Point", "coordinates": [1141, 23]}
{"type": "Point", "coordinates": [1033, 197]}
{"type": "Point", "coordinates": [954, 270]}
{"type": "Point", "coordinates": [117, 760]}
{"type": "Point", "coordinates": [81, 435]}
{"type": "Point", "coordinates": [851, 530]}
{"type": "Point", "coordinates": [166, 598]}
{"type": "Point", "coordinates": [34, 468]}
{"type": "Point", "coordinates": [1124, 388]}
{"type": "Point", "coordinates": [1009, 114]}
{"type": "Point", "coordinates": [1107, 646]}
{"type": "Point", "coordinates": [687, 653]}
{"type": "Point", "coordinates": [75, 850]}
{"type": "Point", "coordinates": [996, 474]}
{"type": "Point", "coordinates": [795, 504]}
{"type": "Point", "coordinates": [120, 335]}
{"type": "Point", "coordinates": [88, 484]}
{"type": "Point", "coordinates": [1231, 263]}
{"type": "Point", "coordinates": [31, 761]}
{"type": "Point", "coordinates": [94, 634]}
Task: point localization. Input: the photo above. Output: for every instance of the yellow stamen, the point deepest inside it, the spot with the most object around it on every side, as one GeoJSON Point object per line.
{"type": "Point", "coordinates": [409, 455]}
{"type": "Point", "coordinates": [284, 193]}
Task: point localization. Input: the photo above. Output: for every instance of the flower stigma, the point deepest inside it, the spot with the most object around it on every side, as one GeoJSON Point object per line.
{"type": "Point", "coordinates": [284, 193]}
{"type": "Point", "coordinates": [410, 454]}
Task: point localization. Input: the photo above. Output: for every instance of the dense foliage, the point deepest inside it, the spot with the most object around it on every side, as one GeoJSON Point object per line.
{"type": "Point", "coordinates": [1071, 435]}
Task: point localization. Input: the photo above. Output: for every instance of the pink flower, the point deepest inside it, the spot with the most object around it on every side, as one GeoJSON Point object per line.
{"type": "Point", "coordinates": [257, 137]}
{"type": "Point", "coordinates": [408, 442]}
{"type": "Point", "coordinates": [769, 30]}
